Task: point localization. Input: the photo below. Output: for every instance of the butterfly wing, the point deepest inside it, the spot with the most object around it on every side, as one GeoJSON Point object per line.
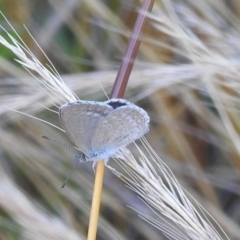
{"type": "Point", "coordinates": [120, 127]}
{"type": "Point", "coordinates": [79, 119]}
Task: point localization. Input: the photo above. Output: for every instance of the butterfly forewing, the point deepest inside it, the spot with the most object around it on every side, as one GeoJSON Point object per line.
{"type": "Point", "coordinates": [120, 127]}
{"type": "Point", "coordinates": [80, 119]}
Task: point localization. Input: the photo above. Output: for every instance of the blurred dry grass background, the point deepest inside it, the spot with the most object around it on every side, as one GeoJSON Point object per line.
{"type": "Point", "coordinates": [186, 77]}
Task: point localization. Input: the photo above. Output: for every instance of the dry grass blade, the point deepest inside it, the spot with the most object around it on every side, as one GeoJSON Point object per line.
{"type": "Point", "coordinates": [189, 70]}
{"type": "Point", "coordinates": [155, 183]}
{"type": "Point", "coordinates": [50, 79]}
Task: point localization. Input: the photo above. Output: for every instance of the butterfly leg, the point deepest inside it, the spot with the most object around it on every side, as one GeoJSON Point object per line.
{"type": "Point", "coordinates": [111, 168]}
{"type": "Point", "coordinates": [106, 161]}
{"type": "Point", "coordinates": [94, 166]}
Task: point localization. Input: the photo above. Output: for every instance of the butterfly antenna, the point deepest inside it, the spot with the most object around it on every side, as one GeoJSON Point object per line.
{"type": "Point", "coordinates": [70, 173]}
{"type": "Point", "coordinates": [63, 144]}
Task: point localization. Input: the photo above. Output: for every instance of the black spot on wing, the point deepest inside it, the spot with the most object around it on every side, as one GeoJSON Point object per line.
{"type": "Point", "coordinates": [117, 104]}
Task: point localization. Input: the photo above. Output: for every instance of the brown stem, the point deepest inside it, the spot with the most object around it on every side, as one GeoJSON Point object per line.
{"type": "Point", "coordinates": [131, 52]}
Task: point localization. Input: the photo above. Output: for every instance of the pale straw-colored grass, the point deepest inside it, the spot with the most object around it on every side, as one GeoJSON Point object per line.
{"type": "Point", "coordinates": [156, 185]}
{"type": "Point", "coordinates": [209, 45]}
{"type": "Point", "coordinates": [177, 214]}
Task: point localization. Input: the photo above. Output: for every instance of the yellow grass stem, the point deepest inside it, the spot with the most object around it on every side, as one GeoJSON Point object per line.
{"type": "Point", "coordinates": [96, 200]}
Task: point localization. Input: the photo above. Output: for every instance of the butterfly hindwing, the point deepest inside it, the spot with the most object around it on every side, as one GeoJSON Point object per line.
{"type": "Point", "coordinates": [79, 119]}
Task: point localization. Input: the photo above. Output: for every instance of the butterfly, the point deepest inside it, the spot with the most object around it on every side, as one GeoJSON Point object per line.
{"type": "Point", "coordinates": [99, 129]}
